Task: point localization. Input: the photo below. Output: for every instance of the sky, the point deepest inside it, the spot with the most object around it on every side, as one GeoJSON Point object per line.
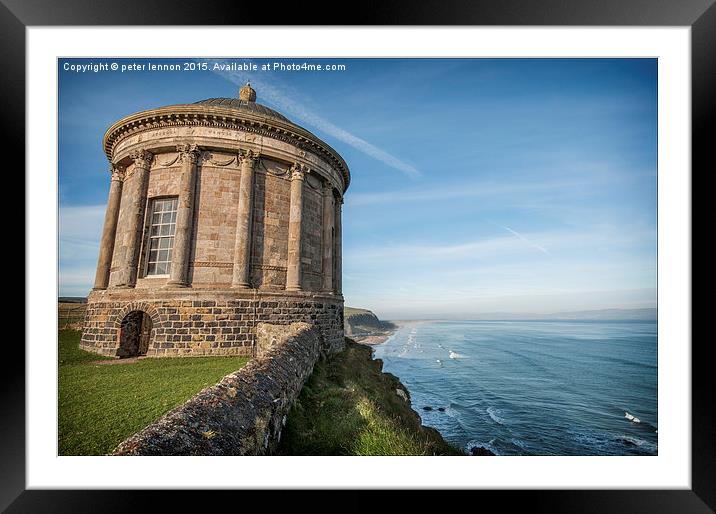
{"type": "Point", "coordinates": [477, 185]}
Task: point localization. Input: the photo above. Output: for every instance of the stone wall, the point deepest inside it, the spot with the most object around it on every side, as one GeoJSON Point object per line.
{"type": "Point", "coordinates": [245, 412]}
{"type": "Point", "coordinates": [214, 226]}
{"type": "Point", "coordinates": [206, 322]}
{"type": "Point", "coordinates": [270, 226]}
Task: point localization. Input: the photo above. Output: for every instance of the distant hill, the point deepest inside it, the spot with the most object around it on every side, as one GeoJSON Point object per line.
{"type": "Point", "coordinates": [72, 299]}
{"type": "Point", "coordinates": [359, 323]}
{"type": "Point", "coordinates": [648, 314]}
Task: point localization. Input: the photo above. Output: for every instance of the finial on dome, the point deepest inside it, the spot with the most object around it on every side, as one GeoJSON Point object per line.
{"type": "Point", "coordinates": [247, 93]}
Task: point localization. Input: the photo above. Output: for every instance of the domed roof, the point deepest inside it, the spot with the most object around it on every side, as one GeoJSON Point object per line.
{"type": "Point", "coordinates": [208, 111]}
{"type": "Point", "coordinates": [244, 105]}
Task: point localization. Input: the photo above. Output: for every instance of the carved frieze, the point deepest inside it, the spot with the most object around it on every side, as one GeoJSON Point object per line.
{"type": "Point", "coordinates": [211, 264]}
{"type": "Point", "coordinates": [133, 131]}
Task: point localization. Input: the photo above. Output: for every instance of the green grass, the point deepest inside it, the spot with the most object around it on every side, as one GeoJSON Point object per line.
{"type": "Point", "coordinates": [349, 407]}
{"type": "Point", "coordinates": [100, 405]}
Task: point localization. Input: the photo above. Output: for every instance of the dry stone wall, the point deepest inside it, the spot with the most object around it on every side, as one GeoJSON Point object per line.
{"type": "Point", "coordinates": [245, 412]}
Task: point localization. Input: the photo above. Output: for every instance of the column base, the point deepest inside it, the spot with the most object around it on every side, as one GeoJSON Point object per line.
{"type": "Point", "coordinates": [241, 285]}
{"type": "Point", "coordinates": [294, 289]}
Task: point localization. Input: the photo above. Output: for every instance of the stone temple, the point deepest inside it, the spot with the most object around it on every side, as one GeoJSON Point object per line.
{"type": "Point", "coordinates": [222, 215]}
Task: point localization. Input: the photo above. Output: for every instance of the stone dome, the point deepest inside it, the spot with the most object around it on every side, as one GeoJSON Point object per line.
{"type": "Point", "coordinates": [244, 106]}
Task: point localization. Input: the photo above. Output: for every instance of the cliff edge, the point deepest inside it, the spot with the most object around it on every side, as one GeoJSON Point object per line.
{"type": "Point", "coordinates": [350, 407]}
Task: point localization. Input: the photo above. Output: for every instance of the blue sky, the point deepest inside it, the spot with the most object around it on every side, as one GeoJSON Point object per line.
{"type": "Point", "coordinates": [478, 185]}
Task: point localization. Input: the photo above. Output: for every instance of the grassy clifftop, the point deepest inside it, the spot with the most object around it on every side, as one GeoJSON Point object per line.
{"type": "Point", "coordinates": [350, 407]}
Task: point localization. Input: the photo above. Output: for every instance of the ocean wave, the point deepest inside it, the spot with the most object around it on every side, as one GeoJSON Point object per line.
{"type": "Point", "coordinates": [495, 415]}
{"type": "Point", "coordinates": [489, 445]}
{"type": "Point", "coordinates": [642, 444]}
{"type": "Point", "coordinates": [455, 355]}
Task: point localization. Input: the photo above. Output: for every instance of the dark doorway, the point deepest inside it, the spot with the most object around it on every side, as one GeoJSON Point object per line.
{"type": "Point", "coordinates": [134, 334]}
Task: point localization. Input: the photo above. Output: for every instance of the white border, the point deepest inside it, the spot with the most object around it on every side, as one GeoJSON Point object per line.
{"type": "Point", "coordinates": [671, 468]}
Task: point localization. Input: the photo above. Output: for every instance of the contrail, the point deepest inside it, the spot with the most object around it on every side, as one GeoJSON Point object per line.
{"type": "Point", "coordinates": [523, 238]}
{"type": "Point", "coordinates": [286, 104]}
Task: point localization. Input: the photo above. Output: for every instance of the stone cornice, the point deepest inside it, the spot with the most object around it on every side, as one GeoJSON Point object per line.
{"type": "Point", "coordinates": [221, 117]}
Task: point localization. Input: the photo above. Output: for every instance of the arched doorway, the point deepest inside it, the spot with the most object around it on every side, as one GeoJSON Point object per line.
{"type": "Point", "coordinates": [134, 334]}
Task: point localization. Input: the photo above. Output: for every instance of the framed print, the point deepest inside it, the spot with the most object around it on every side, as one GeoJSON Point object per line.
{"type": "Point", "coordinates": [360, 255]}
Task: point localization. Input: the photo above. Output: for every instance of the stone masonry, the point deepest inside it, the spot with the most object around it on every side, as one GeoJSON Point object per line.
{"type": "Point", "coordinates": [246, 411]}
{"type": "Point", "coordinates": [221, 215]}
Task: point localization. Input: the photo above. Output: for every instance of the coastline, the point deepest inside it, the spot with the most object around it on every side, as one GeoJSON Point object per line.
{"type": "Point", "coordinates": [377, 339]}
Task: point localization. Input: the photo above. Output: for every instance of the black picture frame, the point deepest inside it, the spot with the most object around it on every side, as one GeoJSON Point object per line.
{"type": "Point", "coordinates": [700, 15]}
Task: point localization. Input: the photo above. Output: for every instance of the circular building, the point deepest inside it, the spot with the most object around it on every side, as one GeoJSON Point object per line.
{"type": "Point", "coordinates": [222, 214]}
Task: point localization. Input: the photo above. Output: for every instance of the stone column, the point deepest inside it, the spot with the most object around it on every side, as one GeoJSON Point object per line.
{"type": "Point", "coordinates": [339, 247]}
{"type": "Point", "coordinates": [135, 193]}
{"type": "Point", "coordinates": [293, 271]}
{"type": "Point", "coordinates": [178, 277]}
{"type": "Point", "coordinates": [328, 219]}
{"type": "Point", "coordinates": [106, 248]}
{"type": "Point", "coordinates": [244, 222]}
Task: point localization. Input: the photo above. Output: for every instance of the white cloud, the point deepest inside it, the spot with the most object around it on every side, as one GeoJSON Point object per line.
{"type": "Point", "coordinates": [80, 229]}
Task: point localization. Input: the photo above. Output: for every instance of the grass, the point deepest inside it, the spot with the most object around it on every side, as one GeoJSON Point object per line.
{"type": "Point", "coordinates": [100, 405]}
{"type": "Point", "coordinates": [349, 407]}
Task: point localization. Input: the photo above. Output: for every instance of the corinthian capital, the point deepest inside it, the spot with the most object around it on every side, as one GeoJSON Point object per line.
{"type": "Point", "coordinates": [117, 171]}
{"type": "Point", "coordinates": [142, 158]}
{"type": "Point", "coordinates": [189, 152]}
{"type": "Point", "coordinates": [298, 171]}
{"type": "Point", "coordinates": [248, 157]}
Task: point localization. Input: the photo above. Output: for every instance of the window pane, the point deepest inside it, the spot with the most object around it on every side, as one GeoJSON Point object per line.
{"type": "Point", "coordinates": [161, 236]}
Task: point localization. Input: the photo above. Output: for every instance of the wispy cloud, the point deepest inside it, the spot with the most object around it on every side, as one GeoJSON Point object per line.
{"type": "Point", "coordinates": [288, 104]}
{"type": "Point", "coordinates": [510, 187]}
{"type": "Point", "coordinates": [523, 238]}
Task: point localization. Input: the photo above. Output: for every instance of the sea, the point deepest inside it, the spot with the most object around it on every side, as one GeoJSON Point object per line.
{"type": "Point", "coordinates": [532, 387]}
